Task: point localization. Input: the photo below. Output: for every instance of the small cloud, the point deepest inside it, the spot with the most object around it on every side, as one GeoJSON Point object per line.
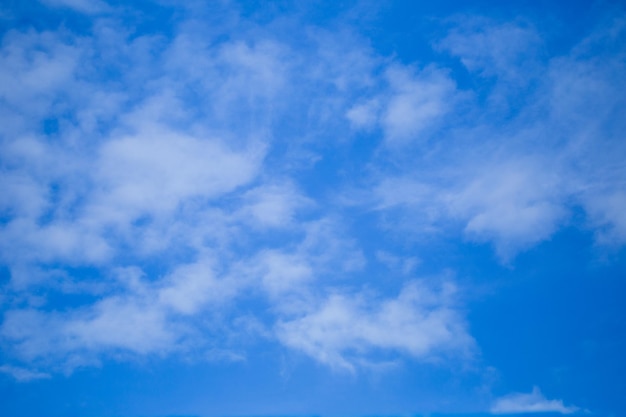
{"type": "Point", "coordinates": [272, 205]}
{"type": "Point", "coordinates": [534, 402]}
{"type": "Point", "coordinates": [416, 103]}
{"type": "Point", "coordinates": [364, 115]}
{"type": "Point", "coordinates": [494, 50]}
{"type": "Point", "coordinates": [83, 6]}
{"type": "Point", "coordinates": [397, 263]}
{"type": "Point", "coordinates": [22, 374]}
{"type": "Point", "coordinates": [224, 355]}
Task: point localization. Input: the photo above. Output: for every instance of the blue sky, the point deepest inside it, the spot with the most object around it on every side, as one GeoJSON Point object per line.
{"type": "Point", "coordinates": [357, 208]}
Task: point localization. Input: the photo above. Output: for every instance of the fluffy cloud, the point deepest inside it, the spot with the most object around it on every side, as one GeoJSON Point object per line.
{"type": "Point", "coordinates": [515, 205]}
{"type": "Point", "coordinates": [514, 173]}
{"type": "Point", "coordinates": [272, 205]}
{"type": "Point", "coordinates": [164, 180]}
{"type": "Point", "coordinates": [345, 329]}
{"type": "Point", "coordinates": [510, 203]}
{"type": "Point", "coordinates": [153, 172]}
{"type": "Point", "coordinates": [416, 103]}
{"type": "Point", "coordinates": [137, 316]}
{"type": "Point", "coordinates": [534, 402]}
{"type": "Point", "coordinates": [412, 102]}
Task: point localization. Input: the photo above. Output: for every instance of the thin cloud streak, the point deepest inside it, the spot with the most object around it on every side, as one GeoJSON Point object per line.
{"type": "Point", "coordinates": [534, 402]}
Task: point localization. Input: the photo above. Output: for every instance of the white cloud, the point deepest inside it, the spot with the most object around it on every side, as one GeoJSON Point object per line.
{"type": "Point", "coordinates": [364, 115]}
{"type": "Point", "coordinates": [515, 205]}
{"type": "Point", "coordinates": [291, 276]}
{"type": "Point", "coordinates": [416, 103]}
{"type": "Point", "coordinates": [244, 84]}
{"type": "Point", "coordinates": [23, 194]}
{"type": "Point", "coordinates": [36, 68]}
{"type": "Point", "coordinates": [83, 6]}
{"type": "Point", "coordinates": [515, 182]}
{"type": "Point", "coordinates": [59, 241]}
{"type": "Point", "coordinates": [272, 205]}
{"type": "Point", "coordinates": [512, 203]}
{"type": "Point", "coordinates": [179, 159]}
{"type": "Point", "coordinates": [22, 374]}
{"type": "Point", "coordinates": [153, 172]}
{"type": "Point", "coordinates": [608, 216]}
{"type": "Point", "coordinates": [140, 317]}
{"type": "Point", "coordinates": [190, 288]}
{"type": "Point", "coordinates": [584, 94]}
{"type": "Point", "coordinates": [535, 402]}
{"type": "Point", "coordinates": [509, 52]}
{"type": "Point", "coordinates": [261, 66]}
{"type": "Point", "coordinates": [135, 314]}
{"type": "Point", "coordinates": [410, 103]}
{"type": "Point", "coordinates": [406, 265]}
{"type": "Point", "coordinates": [342, 60]}
{"type": "Point", "coordinates": [283, 273]}
{"type": "Point", "coordinates": [38, 73]}
{"type": "Point", "coordinates": [118, 323]}
{"type": "Point", "coordinates": [344, 329]}
{"type": "Point", "coordinates": [124, 322]}
{"type": "Point", "coordinates": [145, 176]}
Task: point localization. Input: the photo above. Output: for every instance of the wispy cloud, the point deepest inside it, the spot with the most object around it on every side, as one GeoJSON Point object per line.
{"type": "Point", "coordinates": [22, 374]}
{"type": "Point", "coordinates": [345, 329]}
{"type": "Point", "coordinates": [510, 173]}
{"type": "Point", "coordinates": [534, 402]}
{"type": "Point", "coordinates": [411, 103]}
{"type": "Point", "coordinates": [83, 6]}
{"type": "Point", "coordinates": [169, 179]}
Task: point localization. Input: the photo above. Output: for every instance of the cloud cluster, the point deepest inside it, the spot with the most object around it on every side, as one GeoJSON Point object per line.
{"type": "Point", "coordinates": [157, 185]}
{"type": "Point", "coordinates": [145, 202]}
{"type": "Point", "coordinates": [520, 155]}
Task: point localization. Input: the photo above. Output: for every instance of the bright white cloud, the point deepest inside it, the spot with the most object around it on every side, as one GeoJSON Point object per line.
{"type": "Point", "coordinates": [534, 402]}
{"type": "Point", "coordinates": [515, 205]}
{"type": "Point", "coordinates": [346, 328]}
{"type": "Point", "coordinates": [155, 171]}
